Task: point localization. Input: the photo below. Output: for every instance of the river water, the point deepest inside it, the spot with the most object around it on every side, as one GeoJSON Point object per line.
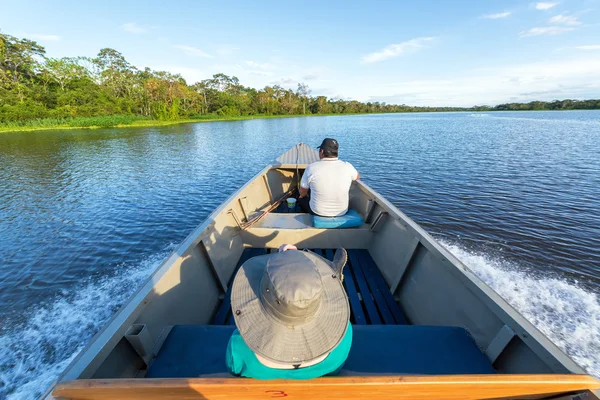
{"type": "Point", "coordinates": [86, 215]}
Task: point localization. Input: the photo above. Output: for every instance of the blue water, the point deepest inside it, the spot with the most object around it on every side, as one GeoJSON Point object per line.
{"type": "Point", "coordinates": [86, 215]}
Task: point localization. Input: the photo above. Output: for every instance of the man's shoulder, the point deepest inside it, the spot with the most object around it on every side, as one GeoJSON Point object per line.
{"type": "Point", "coordinates": [345, 164]}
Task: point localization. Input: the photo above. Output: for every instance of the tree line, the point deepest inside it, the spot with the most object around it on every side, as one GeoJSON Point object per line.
{"type": "Point", "coordinates": [34, 86]}
{"type": "Point", "coordinates": [544, 105]}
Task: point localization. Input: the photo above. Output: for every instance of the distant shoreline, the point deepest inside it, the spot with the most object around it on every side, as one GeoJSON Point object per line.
{"type": "Point", "coordinates": [106, 91]}
{"type": "Point", "coordinates": [140, 123]}
{"type": "Point", "coordinates": [88, 123]}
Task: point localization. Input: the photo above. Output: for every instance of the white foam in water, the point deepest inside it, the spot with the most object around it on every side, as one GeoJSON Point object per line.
{"type": "Point", "coordinates": [568, 314]}
{"type": "Point", "coordinates": [34, 354]}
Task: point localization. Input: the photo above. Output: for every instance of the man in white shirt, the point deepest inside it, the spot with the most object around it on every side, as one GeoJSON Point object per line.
{"type": "Point", "coordinates": [329, 181]}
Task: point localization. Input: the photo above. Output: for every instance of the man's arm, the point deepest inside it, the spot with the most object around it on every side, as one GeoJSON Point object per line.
{"type": "Point", "coordinates": [303, 192]}
{"type": "Point", "coordinates": [304, 183]}
{"type": "Point", "coordinates": [354, 173]}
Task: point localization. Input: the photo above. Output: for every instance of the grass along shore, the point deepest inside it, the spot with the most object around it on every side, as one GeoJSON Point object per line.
{"type": "Point", "coordinates": [124, 121]}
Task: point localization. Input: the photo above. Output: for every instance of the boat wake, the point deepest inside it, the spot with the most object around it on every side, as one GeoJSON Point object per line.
{"type": "Point", "coordinates": [34, 353]}
{"type": "Point", "coordinates": [565, 312]}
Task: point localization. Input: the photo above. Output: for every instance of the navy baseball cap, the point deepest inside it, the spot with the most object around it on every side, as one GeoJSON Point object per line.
{"type": "Point", "coordinates": [329, 145]}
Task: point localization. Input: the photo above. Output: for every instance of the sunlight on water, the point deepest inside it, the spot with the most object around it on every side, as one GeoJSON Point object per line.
{"type": "Point", "coordinates": [32, 356]}
{"type": "Point", "coordinates": [563, 311]}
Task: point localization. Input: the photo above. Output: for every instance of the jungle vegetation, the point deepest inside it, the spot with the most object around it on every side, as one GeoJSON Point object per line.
{"type": "Point", "coordinates": [107, 90]}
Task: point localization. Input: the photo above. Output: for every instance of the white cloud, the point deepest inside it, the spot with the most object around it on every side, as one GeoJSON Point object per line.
{"type": "Point", "coordinates": [564, 20]}
{"type": "Point", "coordinates": [310, 77]}
{"type": "Point", "coordinates": [589, 47]}
{"type": "Point", "coordinates": [544, 5]}
{"type": "Point", "coordinates": [497, 15]}
{"type": "Point", "coordinates": [394, 50]}
{"type": "Point", "coordinates": [191, 50]}
{"type": "Point", "coordinates": [134, 28]}
{"type": "Point", "coordinates": [285, 82]}
{"type": "Point", "coordinates": [254, 64]}
{"type": "Point", "coordinates": [546, 30]}
{"type": "Point", "coordinates": [43, 37]}
{"type": "Point", "coordinates": [544, 80]}
{"type": "Point", "coordinates": [259, 72]}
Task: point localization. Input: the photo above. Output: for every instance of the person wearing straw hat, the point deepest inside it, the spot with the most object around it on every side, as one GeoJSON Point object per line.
{"type": "Point", "coordinates": [292, 316]}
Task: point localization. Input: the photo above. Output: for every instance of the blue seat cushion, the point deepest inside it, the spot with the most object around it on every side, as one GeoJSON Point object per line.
{"type": "Point", "coordinates": [414, 350]}
{"type": "Point", "coordinates": [349, 220]}
{"type": "Point", "coordinates": [199, 350]}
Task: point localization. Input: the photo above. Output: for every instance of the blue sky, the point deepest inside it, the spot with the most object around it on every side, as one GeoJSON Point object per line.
{"type": "Point", "coordinates": [411, 52]}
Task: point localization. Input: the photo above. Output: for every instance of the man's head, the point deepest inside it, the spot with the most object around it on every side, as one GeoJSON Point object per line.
{"type": "Point", "coordinates": [329, 148]}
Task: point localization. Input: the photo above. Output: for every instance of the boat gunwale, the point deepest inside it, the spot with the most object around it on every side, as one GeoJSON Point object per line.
{"type": "Point", "coordinates": [526, 331]}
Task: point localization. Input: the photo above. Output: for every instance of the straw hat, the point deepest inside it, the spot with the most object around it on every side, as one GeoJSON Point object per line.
{"type": "Point", "coordinates": [291, 307]}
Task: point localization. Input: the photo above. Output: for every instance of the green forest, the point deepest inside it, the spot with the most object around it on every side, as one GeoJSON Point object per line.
{"type": "Point", "coordinates": [35, 88]}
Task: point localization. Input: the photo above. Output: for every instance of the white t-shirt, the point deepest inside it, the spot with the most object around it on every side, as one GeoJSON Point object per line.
{"type": "Point", "coordinates": [329, 181]}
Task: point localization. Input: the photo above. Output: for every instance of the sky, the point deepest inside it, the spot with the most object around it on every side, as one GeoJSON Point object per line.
{"type": "Point", "coordinates": [437, 53]}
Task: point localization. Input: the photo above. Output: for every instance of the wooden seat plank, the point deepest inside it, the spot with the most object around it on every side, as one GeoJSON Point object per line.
{"type": "Point", "coordinates": [364, 290]}
{"type": "Point", "coordinates": [367, 262]}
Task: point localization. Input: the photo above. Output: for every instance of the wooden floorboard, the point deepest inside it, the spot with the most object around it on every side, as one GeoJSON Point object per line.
{"type": "Point", "coordinates": [364, 291]}
{"type": "Point", "coordinates": [357, 313]}
{"type": "Point", "coordinates": [369, 275]}
{"type": "Point", "coordinates": [329, 254]}
{"type": "Point", "coordinates": [368, 294]}
{"type": "Point", "coordinates": [393, 306]}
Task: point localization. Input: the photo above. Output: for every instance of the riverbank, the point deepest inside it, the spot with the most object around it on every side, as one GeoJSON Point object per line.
{"type": "Point", "coordinates": [129, 121]}
{"type": "Point", "coordinates": [132, 122]}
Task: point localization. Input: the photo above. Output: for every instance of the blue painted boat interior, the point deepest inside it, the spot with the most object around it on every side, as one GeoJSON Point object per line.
{"type": "Point", "coordinates": [384, 342]}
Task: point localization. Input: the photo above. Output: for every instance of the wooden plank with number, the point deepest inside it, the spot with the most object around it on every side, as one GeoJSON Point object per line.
{"type": "Point", "coordinates": [355, 387]}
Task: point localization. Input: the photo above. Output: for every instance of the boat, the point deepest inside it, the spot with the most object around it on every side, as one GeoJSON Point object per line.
{"type": "Point", "coordinates": [425, 326]}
